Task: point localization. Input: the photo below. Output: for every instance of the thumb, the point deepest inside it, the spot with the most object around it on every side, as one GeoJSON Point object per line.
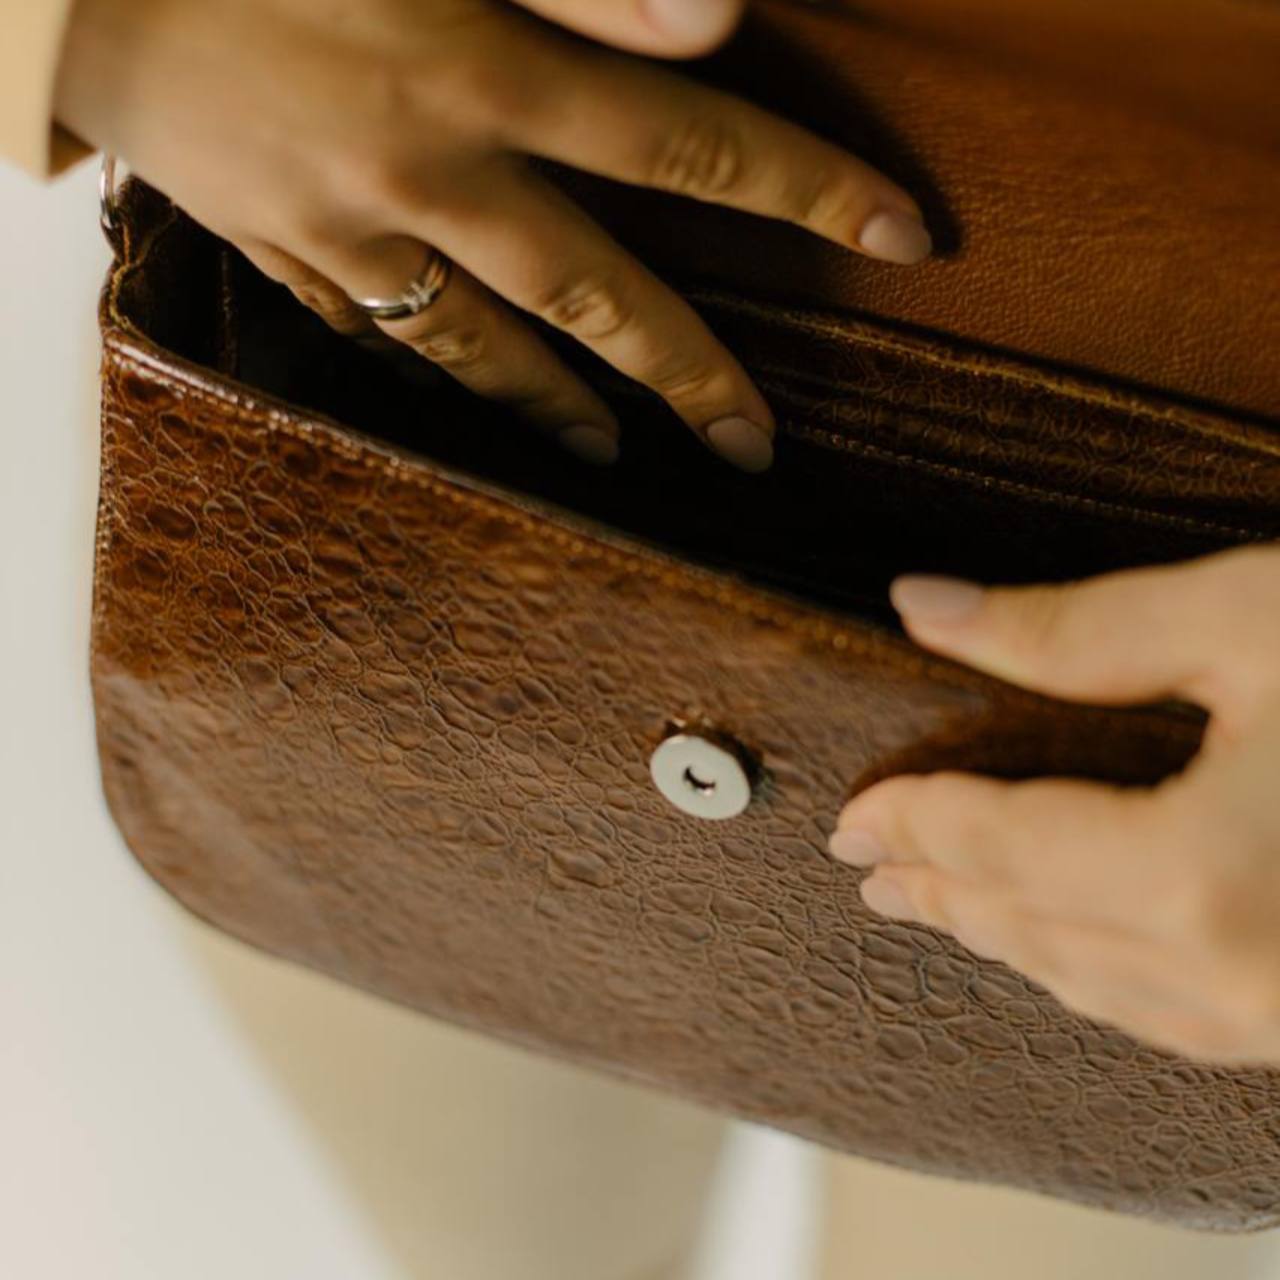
{"type": "Point", "coordinates": [1207, 631]}
{"type": "Point", "coordinates": [669, 28]}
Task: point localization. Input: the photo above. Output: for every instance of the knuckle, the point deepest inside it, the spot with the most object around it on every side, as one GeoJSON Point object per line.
{"type": "Point", "coordinates": [333, 307]}
{"type": "Point", "coordinates": [479, 93]}
{"type": "Point", "coordinates": [366, 188]}
{"type": "Point", "coordinates": [383, 92]}
{"type": "Point", "coordinates": [457, 347]}
{"type": "Point", "coordinates": [541, 403]}
{"type": "Point", "coordinates": [320, 231]}
{"type": "Point", "coordinates": [378, 155]}
{"type": "Point", "coordinates": [821, 199]}
{"type": "Point", "coordinates": [592, 308]}
{"type": "Point", "coordinates": [683, 383]}
{"type": "Point", "coordinates": [704, 156]}
{"type": "Point", "coordinates": [351, 200]}
{"type": "Point", "coordinates": [392, 185]}
{"type": "Point", "coordinates": [315, 300]}
{"type": "Point", "coordinates": [277, 265]}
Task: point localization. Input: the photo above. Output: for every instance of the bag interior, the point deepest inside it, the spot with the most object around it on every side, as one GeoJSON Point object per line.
{"type": "Point", "coordinates": [877, 472]}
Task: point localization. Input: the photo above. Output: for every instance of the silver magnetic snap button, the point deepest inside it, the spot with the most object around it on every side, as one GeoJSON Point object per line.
{"type": "Point", "coordinates": [700, 777]}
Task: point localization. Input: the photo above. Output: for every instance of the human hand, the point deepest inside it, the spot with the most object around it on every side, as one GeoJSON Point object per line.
{"type": "Point", "coordinates": [1154, 909]}
{"type": "Point", "coordinates": [333, 143]}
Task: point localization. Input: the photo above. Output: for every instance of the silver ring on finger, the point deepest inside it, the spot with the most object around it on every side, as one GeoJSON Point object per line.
{"type": "Point", "coordinates": [422, 293]}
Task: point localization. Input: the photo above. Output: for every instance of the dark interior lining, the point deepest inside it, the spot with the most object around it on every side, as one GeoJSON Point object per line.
{"type": "Point", "coordinates": [830, 526]}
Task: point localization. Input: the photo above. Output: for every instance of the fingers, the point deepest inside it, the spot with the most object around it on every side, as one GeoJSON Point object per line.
{"type": "Point", "coordinates": [1106, 974]}
{"type": "Point", "coordinates": [513, 235]}
{"type": "Point", "coordinates": [314, 291]}
{"type": "Point", "coordinates": [319, 294]}
{"type": "Point", "coordinates": [998, 926]}
{"type": "Point", "coordinates": [1135, 907]}
{"type": "Point", "coordinates": [1205, 631]}
{"type": "Point", "coordinates": [670, 28]}
{"type": "Point", "coordinates": [536, 247]}
{"type": "Point", "coordinates": [467, 332]}
{"type": "Point", "coordinates": [652, 127]}
{"type": "Point", "coordinates": [1076, 849]}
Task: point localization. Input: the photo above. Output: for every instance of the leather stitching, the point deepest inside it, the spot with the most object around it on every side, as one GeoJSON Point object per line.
{"type": "Point", "coordinates": [1070, 391]}
{"type": "Point", "coordinates": [843, 444]}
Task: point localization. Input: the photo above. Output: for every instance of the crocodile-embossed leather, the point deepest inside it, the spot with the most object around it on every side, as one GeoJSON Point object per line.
{"type": "Point", "coordinates": [378, 678]}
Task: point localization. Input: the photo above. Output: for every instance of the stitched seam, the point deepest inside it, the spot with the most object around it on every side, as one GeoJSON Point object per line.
{"type": "Point", "coordinates": [104, 533]}
{"type": "Point", "coordinates": [131, 258]}
{"type": "Point", "coordinates": [842, 444]}
{"type": "Point", "coordinates": [834, 439]}
{"type": "Point", "coordinates": [1060, 387]}
{"type": "Point", "coordinates": [786, 381]}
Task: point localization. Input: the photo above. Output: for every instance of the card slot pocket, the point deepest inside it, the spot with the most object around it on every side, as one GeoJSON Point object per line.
{"type": "Point", "coordinates": [856, 380]}
{"type": "Point", "coordinates": [877, 514]}
{"type": "Point", "coordinates": [836, 519]}
{"type": "Point", "coordinates": [815, 429]}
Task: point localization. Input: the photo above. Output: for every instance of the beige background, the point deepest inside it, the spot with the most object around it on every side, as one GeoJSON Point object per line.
{"type": "Point", "coordinates": [172, 1106]}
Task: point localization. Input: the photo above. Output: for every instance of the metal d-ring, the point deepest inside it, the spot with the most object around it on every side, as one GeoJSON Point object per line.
{"type": "Point", "coordinates": [107, 197]}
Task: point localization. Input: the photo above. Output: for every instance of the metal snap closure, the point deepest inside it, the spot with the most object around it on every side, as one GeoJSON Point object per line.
{"type": "Point", "coordinates": [700, 777]}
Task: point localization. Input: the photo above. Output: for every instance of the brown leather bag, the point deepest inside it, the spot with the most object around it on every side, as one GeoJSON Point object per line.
{"type": "Point", "coordinates": [379, 679]}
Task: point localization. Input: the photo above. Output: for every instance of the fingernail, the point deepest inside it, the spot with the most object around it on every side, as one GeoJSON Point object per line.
{"type": "Point", "coordinates": [936, 600]}
{"type": "Point", "coordinates": [885, 898]}
{"type": "Point", "coordinates": [693, 20]}
{"type": "Point", "coordinates": [893, 236]}
{"type": "Point", "coordinates": [590, 444]}
{"type": "Point", "coordinates": [860, 848]}
{"type": "Point", "coordinates": [741, 442]}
